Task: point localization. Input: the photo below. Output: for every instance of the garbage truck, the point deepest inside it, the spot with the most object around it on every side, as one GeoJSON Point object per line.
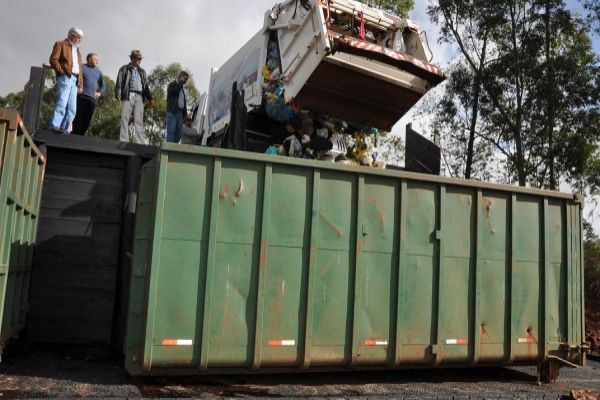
{"type": "Point", "coordinates": [316, 69]}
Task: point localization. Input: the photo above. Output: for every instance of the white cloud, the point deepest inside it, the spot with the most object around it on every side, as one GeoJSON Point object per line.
{"type": "Point", "coordinates": [196, 34]}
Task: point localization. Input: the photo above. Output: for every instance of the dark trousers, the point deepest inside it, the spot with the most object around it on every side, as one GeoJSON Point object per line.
{"type": "Point", "coordinates": [85, 111]}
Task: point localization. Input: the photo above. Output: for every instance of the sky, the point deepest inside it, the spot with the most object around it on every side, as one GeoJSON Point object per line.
{"type": "Point", "coordinates": [198, 34]}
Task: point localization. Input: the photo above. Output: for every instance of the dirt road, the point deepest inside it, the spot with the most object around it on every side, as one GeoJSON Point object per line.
{"type": "Point", "coordinates": [54, 374]}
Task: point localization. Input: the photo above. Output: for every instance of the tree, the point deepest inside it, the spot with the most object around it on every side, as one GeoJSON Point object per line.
{"type": "Point", "coordinates": [469, 25]}
{"type": "Point", "coordinates": [593, 7]}
{"type": "Point", "coordinates": [534, 93]}
{"type": "Point", "coordinates": [397, 7]}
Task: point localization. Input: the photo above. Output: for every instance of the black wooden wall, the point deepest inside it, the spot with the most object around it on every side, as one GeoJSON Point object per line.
{"type": "Point", "coordinates": [80, 265]}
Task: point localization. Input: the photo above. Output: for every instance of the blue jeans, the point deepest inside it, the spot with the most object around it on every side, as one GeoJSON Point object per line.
{"type": "Point", "coordinates": [66, 103]}
{"type": "Point", "coordinates": [174, 126]}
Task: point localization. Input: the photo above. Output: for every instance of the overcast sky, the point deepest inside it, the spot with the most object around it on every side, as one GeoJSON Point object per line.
{"type": "Point", "coordinates": [198, 34]}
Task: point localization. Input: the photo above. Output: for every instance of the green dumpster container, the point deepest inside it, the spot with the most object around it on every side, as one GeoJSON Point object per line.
{"type": "Point", "coordinates": [248, 262]}
{"type": "Point", "coordinates": [21, 176]}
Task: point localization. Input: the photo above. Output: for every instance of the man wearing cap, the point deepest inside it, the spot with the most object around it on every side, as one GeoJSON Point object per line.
{"type": "Point", "coordinates": [131, 88]}
{"type": "Point", "coordinates": [67, 63]}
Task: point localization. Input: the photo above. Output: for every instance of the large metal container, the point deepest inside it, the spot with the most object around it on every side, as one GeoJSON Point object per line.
{"type": "Point", "coordinates": [21, 177]}
{"type": "Point", "coordinates": [80, 268]}
{"type": "Point", "coordinates": [246, 262]}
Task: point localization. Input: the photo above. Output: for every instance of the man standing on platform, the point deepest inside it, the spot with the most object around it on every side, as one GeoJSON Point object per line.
{"type": "Point", "coordinates": [67, 63]}
{"type": "Point", "coordinates": [131, 88]}
{"type": "Point", "coordinates": [176, 107]}
{"type": "Point", "coordinates": [93, 87]}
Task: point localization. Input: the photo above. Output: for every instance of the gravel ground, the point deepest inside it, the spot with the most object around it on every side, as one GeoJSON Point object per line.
{"type": "Point", "coordinates": [52, 374]}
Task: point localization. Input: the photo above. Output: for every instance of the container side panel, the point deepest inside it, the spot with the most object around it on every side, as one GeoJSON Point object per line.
{"type": "Point", "coordinates": [285, 282]}
{"type": "Point", "coordinates": [332, 302]}
{"type": "Point", "coordinates": [456, 311]}
{"type": "Point", "coordinates": [337, 212]}
{"type": "Point", "coordinates": [377, 276]}
{"type": "Point", "coordinates": [332, 315]}
{"type": "Point", "coordinates": [290, 207]}
{"type": "Point", "coordinates": [177, 306]}
{"type": "Point", "coordinates": [493, 273]}
{"type": "Point", "coordinates": [235, 277]}
{"type": "Point", "coordinates": [418, 274]}
{"type": "Point", "coordinates": [526, 299]}
{"type": "Point", "coordinates": [421, 219]}
{"type": "Point", "coordinates": [381, 211]}
{"type": "Point", "coordinates": [239, 218]}
{"type": "Point", "coordinates": [556, 282]}
{"type": "Point", "coordinates": [286, 266]}
{"type": "Point", "coordinates": [528, 230]}
{"type": "Point", "coordinates": [458, 224]}
{"type": "Point", "coordinates": [184, 244]}
{"type": "Point", "coordinates": [492, 309]}
{"type": "Point", "coordinates": [231, 333]}
{"type": "Point", "coordinates": [377, 283]}
{"type": "Point", "coordinates": [456, 272]}
{"type": "Point", "coordinates": [187, 197]}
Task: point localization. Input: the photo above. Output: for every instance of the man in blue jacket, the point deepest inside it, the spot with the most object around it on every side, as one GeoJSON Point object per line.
{"type": "Point", "coordinates": [176, 107]}
{"type": "Point", "coordinates": [93, 87]}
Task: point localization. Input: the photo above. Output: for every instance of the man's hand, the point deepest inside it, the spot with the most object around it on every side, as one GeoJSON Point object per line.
{"type": "Point", "coordinates": [150, 104]}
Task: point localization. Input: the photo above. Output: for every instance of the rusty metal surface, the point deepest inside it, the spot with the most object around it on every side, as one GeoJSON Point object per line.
{"type": "Point", "coordinates": [60, 374]}
{"type": "Point", "coordinates": [22, 167]}
{"type": "Point", "coordinates": [245, 262]}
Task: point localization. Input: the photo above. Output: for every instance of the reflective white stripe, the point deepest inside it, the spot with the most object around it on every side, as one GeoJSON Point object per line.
{"type": "Point", "coordinates": [375, 342]}
{"type": "Point", "coordinates": [526, 340]}
{"type": "Point", "coordinates": [456, 341]}
{"type": "Point", "coordinates": [177, 342]}
{"type": "Point", "coordinates": [275, 342]}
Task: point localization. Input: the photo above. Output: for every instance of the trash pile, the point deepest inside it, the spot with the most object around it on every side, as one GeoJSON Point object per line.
{"type": "Point", "coordinates": [312, 135]}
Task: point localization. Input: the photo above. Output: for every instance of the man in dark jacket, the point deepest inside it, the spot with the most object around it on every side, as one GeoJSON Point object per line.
{"type": "Point", "coordinates": [176, 107]}
{"type": "Point", "coordinates": [93, 87]}
{"type": "Point", "coordinates": [67, 63]}
{"type": "Point", "coordinates": [131, 88]}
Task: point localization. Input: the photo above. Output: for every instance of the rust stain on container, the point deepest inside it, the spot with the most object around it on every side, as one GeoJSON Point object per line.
{"type": "Point", "coordinates": [240, 189]}
{"type": "Point", "coordinates": [263, 255]}
{"type": "Point", "coordinates": [381, 219]}
{"type": "Point", "coordinates": [223, 193]}
{"type": "Point", "coordinates": [337, 230]}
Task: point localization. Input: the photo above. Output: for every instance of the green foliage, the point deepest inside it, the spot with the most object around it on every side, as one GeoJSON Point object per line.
{"type": "Point", "coordinates": [593, 7]}
{"type": "Point", "coordinates": [527, 83]}
{"type": "Point", "coordinates": [106, 121]}
{"type": "Point", "coordinates": [591, 253]}
{"type": "Point", "coordinates": [13, 100]}
{"type": "Point", "coordinates": [397, 7]}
